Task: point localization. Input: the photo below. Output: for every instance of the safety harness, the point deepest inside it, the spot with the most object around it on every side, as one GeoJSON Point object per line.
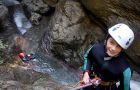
{"type": "Point", "coordinates": [95, 81]}
{"type": "Point", "coordinates": [98, 81]}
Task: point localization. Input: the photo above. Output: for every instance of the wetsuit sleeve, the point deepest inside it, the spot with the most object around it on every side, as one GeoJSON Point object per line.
{"type": "Point", "coordinates": [87, 61]}
{"type": "Point", "coordinates": [125, 81]}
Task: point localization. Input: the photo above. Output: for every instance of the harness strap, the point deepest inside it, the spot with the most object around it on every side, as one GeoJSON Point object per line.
{"type": "Point", "coordinates": [103, 83]}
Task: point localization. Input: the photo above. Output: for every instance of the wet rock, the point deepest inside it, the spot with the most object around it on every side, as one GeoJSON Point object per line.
{"type": "Point", "coordinates": [17, 44]}
{"type": "Point", "coordinates": [3, 16]}
{"type": "Point", "coordinates": [11, 85]}
{"type": "Point", "coordinates": [47, 84]}
{"type": "Point", "coordinates": [6, 27]}
{"type": "Point", "coordinates": [71, 31]}
{"type": "Point", "coordinates": [36, 6]}
{"type": "Point", "coordinates": [6, 73]}
{"type": "Point", "coordinates": [15, 77]}
{"type": "Point", "coordinates": [52, 3]}
{"type": "Point", "coordinates": [35, 18]}
{"type": "Point", "coordinates": [4, 12]}
{"type": "Point", "coordinates": [111, 12]}
{"type": "Point", "coordinates": [25, 75]}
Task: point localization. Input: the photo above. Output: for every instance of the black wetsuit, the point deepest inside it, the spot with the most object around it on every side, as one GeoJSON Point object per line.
{"type": "Point", "coordinates": [28, 57]}
{"type": "Point", "coordinates": [108, 68]}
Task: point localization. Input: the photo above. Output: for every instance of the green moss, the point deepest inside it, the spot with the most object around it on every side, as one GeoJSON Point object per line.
{"type": "Point", "coordinates": [2, 51]}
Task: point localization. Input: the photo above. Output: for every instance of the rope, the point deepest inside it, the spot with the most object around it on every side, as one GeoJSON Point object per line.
{"type": "Point", "coordinates": [75, 85]}
{"type": "Point", "coordinates": [77, 88]}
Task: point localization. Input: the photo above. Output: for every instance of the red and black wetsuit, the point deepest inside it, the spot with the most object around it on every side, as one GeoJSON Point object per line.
{"type": "Point", "coordinates": [107, 68]}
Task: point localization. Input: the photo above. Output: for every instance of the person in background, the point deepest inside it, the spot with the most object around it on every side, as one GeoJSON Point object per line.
{"type": "Point", "coordinates": [108, 61]}
{"type": "Point", "coordinates": [26, 57]}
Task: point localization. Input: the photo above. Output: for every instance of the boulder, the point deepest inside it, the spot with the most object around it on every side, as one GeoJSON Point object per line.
{"type": "Point", "coordinates": [70, 32]}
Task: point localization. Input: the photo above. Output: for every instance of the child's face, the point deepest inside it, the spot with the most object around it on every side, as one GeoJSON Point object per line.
{"type": "Point", "coordinates": [112, 47]}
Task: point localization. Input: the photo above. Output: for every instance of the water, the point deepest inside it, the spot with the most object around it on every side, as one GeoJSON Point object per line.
{"type": "Point", "coordinates": [23, 24]}
{"type": "Point", "coordinates": [135, 82]}
{"type": "Point", "coordinates": [57, 70]}
{"type": "Point", "coordinates": [10, 2]}
{"type": "Point", "coordinates": [64, 74]}
{"type": "Point", "coordinates": [21, 21]}
{"type": "Point", "coordinates": [135, 85]}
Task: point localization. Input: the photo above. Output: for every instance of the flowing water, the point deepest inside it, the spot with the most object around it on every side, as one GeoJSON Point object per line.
{"type": "Point", "coordinates": [21, 21]}
{"type": "Point", "coordinates": [44, 64]}
{"type": "Point", "coordinates": [64, 74]}
{"type": "Point", "coordinates": [23, 24]}
{"type": "Point", "coordinates": [57, 70]}
{"type": "Point", "coordinates": [18, 16]}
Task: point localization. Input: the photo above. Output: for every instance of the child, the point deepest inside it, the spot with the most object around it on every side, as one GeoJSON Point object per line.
{"type": "Point", "coordinates": [26, 57]}
{"type": "Point", "coordinates": [108, 62]}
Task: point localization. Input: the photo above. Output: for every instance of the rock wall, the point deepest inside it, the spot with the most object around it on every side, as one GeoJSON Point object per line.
{"type": "Point", "coordinates": [111, 12]}
{"type": "Point", "coordinates": [71, 32]}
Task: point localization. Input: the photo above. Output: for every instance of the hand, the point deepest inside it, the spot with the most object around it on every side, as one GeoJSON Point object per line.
{"type": "Point", "coordinates": [86, 78]}
{"type": "Point", "coordinates": [95, 81]}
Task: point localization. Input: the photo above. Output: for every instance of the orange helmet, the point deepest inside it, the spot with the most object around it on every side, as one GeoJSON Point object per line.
{"type": "Point", "coordinates": [21, 55]}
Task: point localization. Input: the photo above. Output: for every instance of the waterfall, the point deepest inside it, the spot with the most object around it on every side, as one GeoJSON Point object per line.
{"type": "Point", "coordinates": [21, 21]}
{"type": "Point", "coordinates": [57, 70]}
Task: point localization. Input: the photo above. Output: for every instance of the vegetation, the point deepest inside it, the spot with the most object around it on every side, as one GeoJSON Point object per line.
{"type": "Point", "coordinates": [2, 51]}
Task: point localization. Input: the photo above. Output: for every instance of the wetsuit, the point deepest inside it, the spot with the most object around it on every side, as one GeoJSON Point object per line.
{"type": "Point", "coordinates": [109, 69]}
{"type": "Point", "coordinates": [28, 57]}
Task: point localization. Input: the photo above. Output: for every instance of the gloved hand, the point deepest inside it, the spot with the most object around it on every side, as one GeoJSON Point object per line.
{"type": "Point", "coordinates": [86, 78]}
{"type": "Point", "coordinates": [95, 81]}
